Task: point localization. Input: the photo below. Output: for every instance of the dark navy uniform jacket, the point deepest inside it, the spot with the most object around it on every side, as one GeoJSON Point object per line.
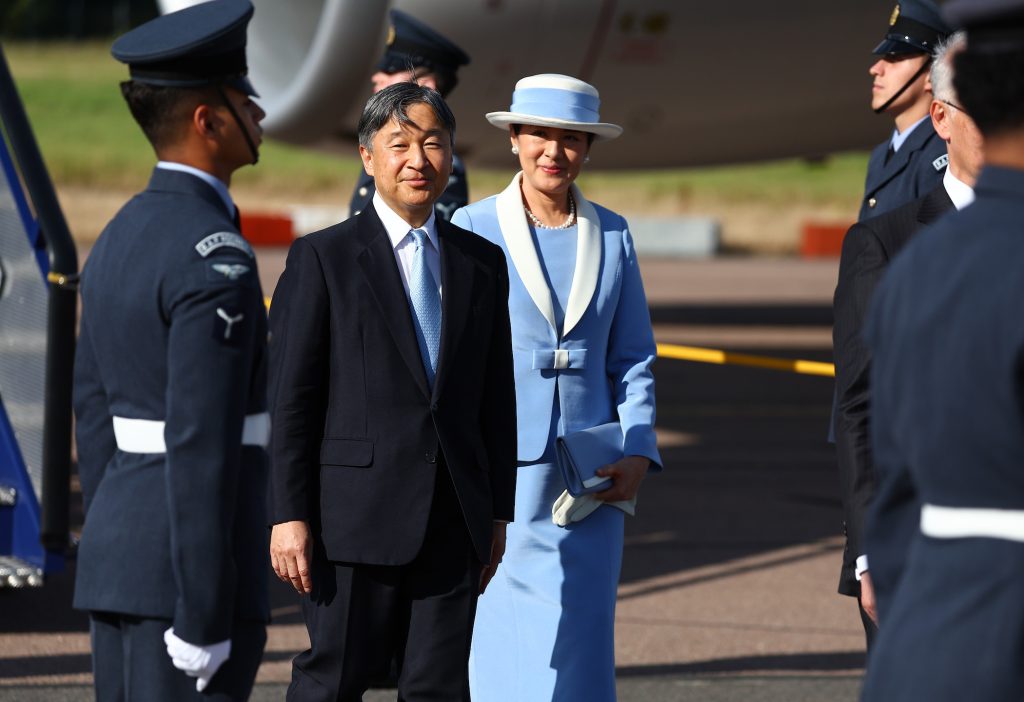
{"type": "Point", "coordinates": [173, 328]}
{"type": "Point", "coordinates": [912, 172]}
{"type": "Point", "coordinates": [456, 193]}
{"type": "Point", "coordinates": [946, 334]}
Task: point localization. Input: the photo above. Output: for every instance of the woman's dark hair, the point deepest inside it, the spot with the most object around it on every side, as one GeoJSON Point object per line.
{"type": "Point", "coordinates": [991, 87]}
{"type": "Point", "coordinates": [393, 102]}
{"type": "Point", "coordinates": [590, 135]}
{"type": "Point", "coordinates": [161, 110]}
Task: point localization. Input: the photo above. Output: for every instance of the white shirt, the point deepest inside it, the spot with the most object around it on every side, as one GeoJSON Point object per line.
{"type": "Point", "coordinates": [211, 180]}
{"type": "Point", "coordinates": [405, 246]}
{"type": "Point", "coordinates": [899, 137]}
{"type": "Point", "coordinates": [959, 192]}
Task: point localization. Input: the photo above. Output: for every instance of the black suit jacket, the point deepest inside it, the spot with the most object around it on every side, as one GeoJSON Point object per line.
{"type": "Point", "coordinates": [867, 250]}
{"type": "Point", "coordinates": [357, 432]}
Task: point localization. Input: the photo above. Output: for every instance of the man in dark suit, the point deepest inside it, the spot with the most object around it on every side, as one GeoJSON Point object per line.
{"type": "Point", "coordinates": [867, 250]}
{"type": "Point", "coordinates": [945, 532]}
{"type": "Point", "coordinates": [170, 385]}
{"type": "Point", "coordinates": [418, 53]}
{"type": "Point", "coordinates": [910, 163]}
{"type": "Point", "coordinates": [394, 431]}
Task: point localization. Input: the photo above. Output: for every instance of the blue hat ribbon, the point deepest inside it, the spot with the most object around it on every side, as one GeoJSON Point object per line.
{"type": "Point", "coordinates": [554, 103]}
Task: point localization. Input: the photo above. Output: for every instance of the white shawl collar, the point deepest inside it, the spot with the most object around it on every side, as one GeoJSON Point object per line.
{"type": "Point", "coordinates": [516, 231]}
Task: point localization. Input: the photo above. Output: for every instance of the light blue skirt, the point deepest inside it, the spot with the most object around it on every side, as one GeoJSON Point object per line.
{"type": "Point", "coordinates": [545, 628]}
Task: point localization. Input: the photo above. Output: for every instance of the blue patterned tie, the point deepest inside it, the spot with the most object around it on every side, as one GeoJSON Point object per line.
{"type": "Point", "coordinates": [426, 304]}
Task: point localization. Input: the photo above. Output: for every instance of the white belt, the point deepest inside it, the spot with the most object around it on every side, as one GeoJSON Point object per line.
{"type": "Point", "coordinates": [964, 522]}
{"type": "Point", "coordinates": [147, 435]}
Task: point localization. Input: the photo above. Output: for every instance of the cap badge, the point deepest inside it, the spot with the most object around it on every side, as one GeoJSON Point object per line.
{"type": "Point", "coordinates": [391, 35]}
{"type": "Point", "coordinates": [895, 15]}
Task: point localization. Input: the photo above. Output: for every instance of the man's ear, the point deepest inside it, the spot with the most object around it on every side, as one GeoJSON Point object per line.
{"type": "Point", "coordinates": [204, 121]}
{"type": "Point", "coordinates": [367, 156]}
{"type": "Point", "coordinates": [939, 112]}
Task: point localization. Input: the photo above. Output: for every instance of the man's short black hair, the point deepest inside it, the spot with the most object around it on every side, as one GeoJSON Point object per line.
{"type": "Point", "coordinates": [990, 85]}
{"type": "Point", "coordinates": [162, 111]}
{"type": "Point", "coordinates": [393, 102]}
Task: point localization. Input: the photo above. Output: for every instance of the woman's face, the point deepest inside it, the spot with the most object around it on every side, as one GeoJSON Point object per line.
{"type": "Point", "coordinates": [550, 157]}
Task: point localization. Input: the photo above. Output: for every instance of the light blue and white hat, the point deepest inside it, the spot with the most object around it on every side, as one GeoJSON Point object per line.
{"type": "Point", "coordinates": [554, 100]}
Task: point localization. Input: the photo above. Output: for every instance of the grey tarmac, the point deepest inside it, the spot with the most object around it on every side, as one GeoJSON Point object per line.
{"type": "Point", "coordinates": [728, 588]}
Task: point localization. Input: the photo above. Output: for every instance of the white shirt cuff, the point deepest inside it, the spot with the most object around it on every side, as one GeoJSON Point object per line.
{"type": "Point", "coordinates": [861, 566]}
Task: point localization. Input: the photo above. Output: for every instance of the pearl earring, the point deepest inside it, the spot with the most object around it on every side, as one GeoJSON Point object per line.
{"type": "Point", "coordinates": [515, 150]}
{"type": "Point", "coordinates": [586, 159]}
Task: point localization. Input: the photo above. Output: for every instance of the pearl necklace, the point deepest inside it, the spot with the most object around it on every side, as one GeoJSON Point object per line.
{"type": "Point", "coordinates": [565, 225]}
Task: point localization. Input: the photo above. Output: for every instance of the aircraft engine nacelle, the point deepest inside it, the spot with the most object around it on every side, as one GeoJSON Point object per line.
{"type": "Point", "coordinates": [693, 83]}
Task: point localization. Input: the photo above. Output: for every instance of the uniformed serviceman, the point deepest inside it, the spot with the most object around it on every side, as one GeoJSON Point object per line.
{"type": "Point", "coordinates": [417, 53]}
{"type": "Point", "coordinates": [946, 531]}
{"type": "Point", "coordinates": [911, 162]}
{"type": "Point", "coordinates": [170, 378]}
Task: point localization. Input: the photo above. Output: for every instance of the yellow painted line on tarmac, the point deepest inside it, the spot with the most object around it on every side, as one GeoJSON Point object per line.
{"type": "Point", "coordinates": [727, 358]}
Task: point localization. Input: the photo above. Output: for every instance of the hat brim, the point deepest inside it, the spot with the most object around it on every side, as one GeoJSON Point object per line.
{"type": "Point", "coordinates": [890, 47]}
{"type": "Point", "coordinates": [242, 84]}
{"type": "Point", "coordinates": [601, 130]}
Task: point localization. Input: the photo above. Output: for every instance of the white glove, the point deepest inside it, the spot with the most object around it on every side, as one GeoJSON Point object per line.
{"type": "Point", "coordinates": [201, 662]}
{"type": "Point", "coordinates": [569, 509]}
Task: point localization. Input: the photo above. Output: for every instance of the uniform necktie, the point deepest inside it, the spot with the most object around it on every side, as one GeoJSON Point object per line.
{"type": "Point", "coordinates": [889, 153]}
{"type": "Point", "coordinates": [426, 304]}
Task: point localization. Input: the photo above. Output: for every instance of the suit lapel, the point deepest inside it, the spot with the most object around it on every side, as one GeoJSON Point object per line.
{"type": "Point", "coordinates": [515, 230]}
{"type": "Point", "coordinates": [523, 252]}
{"type": "Point", "coordinates": [934, 205]}
{"type": "Point", "coordinates": [457, 288]}
{"type": "Point", "coordinates": [378, 264]}
{"type": "Point", "coordinates": [898, 163]}
{"type": "Point", "coordinates": [588, 261]}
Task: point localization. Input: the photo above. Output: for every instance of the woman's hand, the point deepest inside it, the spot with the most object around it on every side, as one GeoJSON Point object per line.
{"type": "Point", "coordinates": [626, 475]}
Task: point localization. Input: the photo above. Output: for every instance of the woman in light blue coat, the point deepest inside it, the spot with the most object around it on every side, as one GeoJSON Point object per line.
{"type": "Point", "coordinates": [583, 349]}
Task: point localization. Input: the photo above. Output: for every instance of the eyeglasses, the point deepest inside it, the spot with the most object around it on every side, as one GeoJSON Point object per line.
{"type": "Point", "coordinates": [955, 106]}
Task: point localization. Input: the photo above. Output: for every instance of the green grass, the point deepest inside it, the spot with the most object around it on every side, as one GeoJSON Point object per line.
{"type": "Point", "coordinates": [88, 139]}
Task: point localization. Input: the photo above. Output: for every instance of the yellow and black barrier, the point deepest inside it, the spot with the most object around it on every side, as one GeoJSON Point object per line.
{"type": "Point", "coordinates": [727, 358]}
{"type": "Point", "coordinates": [701, 355]}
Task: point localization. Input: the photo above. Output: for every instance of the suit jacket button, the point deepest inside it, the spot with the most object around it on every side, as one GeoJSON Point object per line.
{"type": "Point", "coordinates": [430, 457]}
{"type": "Point", "coordinates": [433, 407]}
{"type": "Point", "coordinates": [872, 202]}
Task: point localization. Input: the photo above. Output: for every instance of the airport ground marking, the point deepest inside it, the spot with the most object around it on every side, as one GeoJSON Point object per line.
{"type": "Point", "coordinates": [727, 358]}
{"type": "Point", "coordinates": [702, 355]}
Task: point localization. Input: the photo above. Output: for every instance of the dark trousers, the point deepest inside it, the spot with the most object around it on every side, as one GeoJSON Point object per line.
{"type": "Point", "coordinates": [130, 662]}
{"type": "Point", "coordinates": [361, 617]}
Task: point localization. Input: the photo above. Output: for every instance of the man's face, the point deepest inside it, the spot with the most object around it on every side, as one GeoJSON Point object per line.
{"type": "Point", "coordinates": [410, 163]}
{"type": "Point", "coordinates": [891, 73]}
{"type": "Point", "coordinates": [963, 140]}
{"type": "Point", "coordinates": [236, 148]}
{"type": "Point", "coordinates": [381, 80]}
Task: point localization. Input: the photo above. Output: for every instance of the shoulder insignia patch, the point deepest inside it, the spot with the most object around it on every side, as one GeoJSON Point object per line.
{"type": "Point", "coordinates": [231, 271]}
{"type": "Point", "coordinates": [220, 239]}
{"type": "Point", "coordinates": [941, 162]}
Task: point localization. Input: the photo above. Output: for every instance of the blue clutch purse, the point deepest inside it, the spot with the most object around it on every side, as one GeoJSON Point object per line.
{"type": "Point", "coordinates": [581, 453]}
